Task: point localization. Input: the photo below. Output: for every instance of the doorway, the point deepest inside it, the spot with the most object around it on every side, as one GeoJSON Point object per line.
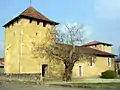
{"type": "Point", "coordinates": [80, 71]}
{"type": "Point", "coordinates": [44, 67]}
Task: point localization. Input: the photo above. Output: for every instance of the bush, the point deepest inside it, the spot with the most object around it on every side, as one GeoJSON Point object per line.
{"type": "Point", "coordinates": [109, 74]}
{"type": "Point", "coordinates": [119, 71]}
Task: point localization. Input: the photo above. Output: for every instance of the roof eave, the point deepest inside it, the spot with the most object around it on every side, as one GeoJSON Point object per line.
{"type": "Point", "coordinates": [52, 22]}
{"type": "Point", "coordinates": [97, 44]}
{"type": "Point", "coordinates": [11, 21]}
{"type": "Point", "coordinates": [102, 55]}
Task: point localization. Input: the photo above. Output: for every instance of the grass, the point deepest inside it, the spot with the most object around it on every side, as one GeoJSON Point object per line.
{"type": "Point", "coordinates": [58, 82]}
{"type": "Point", "coordinates": [97, 86]}
{"type": "Point", "coordinates": [111, 84]}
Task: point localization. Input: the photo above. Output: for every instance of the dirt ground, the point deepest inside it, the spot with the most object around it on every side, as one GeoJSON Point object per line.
{"type": "Point", "coordinates": [20, 86]}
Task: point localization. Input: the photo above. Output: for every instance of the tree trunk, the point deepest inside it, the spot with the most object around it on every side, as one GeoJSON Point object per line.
{"type": "Point", "coordinates": [68, 71]}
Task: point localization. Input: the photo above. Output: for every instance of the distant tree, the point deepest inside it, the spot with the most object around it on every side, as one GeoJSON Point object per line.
{"type": "Point", "coordinates": [66, 51]}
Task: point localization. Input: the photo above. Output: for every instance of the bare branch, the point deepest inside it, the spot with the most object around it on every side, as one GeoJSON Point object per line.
{"type": "Point", "coordinates": [67, 52]}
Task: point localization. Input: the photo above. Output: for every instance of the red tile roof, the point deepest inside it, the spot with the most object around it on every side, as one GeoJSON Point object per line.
{"type": "Point", "coordinates": [30, 12]}
{"type": "Point", "coordinates": [1, 61]}
{"type": "Point", "coordinates": [89, 50]}
{"type": "Point", "coordinates": [117, 60]}
{"type": "Point", "coordinates": [96, 43]}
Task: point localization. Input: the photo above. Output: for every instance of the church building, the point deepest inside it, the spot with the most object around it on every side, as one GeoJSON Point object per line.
{"type": "Point", "coordinates": [32, 26]}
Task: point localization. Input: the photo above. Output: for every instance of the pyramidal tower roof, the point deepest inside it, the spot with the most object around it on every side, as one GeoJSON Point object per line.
{"type": "Point", "coordinates": [32, 13]}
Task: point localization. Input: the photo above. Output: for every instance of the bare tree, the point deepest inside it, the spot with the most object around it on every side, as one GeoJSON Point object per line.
{"type": "Point", "coordinates": [72, 34]}
{"type": "Point", "coordinates": [65, 49]}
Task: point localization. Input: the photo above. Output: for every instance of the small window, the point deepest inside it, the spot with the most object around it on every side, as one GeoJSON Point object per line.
{"type": "Point", "coordinates": [44, 24]}
{"type": "Point", "coordinates": [30, 21]}
{"type": "Point", "coordinates": [38, 22]}
{"type": "Point", "coordinates": [109, 62]}
{"type": "Point", "coordinates": [6, 48]}
{"type": "Point", "coordinates": [36, 33]}
{"type": "Point", "coordinates": [51, 24]}
{"type": "Point", "coordinates": [91, 61]}
{"type": "Point", "coordinates": [12, 24]}
{"type": "Point", "coordinates": [14, 33]}
{"type": "Point", "coordinates": [17, 20]}
{"type": "Point", "coordinates": [8, 26]}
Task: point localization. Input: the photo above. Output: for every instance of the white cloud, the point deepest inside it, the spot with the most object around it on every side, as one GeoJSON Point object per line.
{"type": "Point", "coordinates": [108, 9]}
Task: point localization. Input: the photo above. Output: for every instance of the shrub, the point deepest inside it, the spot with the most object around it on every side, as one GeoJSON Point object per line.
{"type": "Point", "coordinates": [119, 71]}
{"type": "Point", "coordinates": [109, 74]}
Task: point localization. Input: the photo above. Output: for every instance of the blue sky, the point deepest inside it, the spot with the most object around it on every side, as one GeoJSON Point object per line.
{"type": "Point", "coordinates": [100, 17]}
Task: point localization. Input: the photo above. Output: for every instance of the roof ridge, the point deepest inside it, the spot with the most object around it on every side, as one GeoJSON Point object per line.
{"type": "Point", "coordinates": [96, 42]}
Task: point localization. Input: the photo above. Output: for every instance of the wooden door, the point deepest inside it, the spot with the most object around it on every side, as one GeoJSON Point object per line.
{"type": "Point", "coordinates": [80, 71]}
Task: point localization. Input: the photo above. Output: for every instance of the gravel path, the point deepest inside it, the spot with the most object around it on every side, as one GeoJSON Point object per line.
{"type": "Point", "coordinates": [18, 86]}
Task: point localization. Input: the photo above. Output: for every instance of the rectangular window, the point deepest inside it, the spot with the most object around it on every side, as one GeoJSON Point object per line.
{"type": "Point", "coordinates": [109, 62]}
{"type": "Point", "coordinates": [91, 61]}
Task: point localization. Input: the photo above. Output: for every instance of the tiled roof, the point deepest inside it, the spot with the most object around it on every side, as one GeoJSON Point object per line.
{"type": "Point", "coordinates": [1, 61]}
{"type": "Point", "coordinates": [89, 50]}
{"type": "Point", "coordinates": [117, 60]}
{"type": "Point", "coordinates": [96, 43]}
{"type": "Point", "coordinates": [30, 12]}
